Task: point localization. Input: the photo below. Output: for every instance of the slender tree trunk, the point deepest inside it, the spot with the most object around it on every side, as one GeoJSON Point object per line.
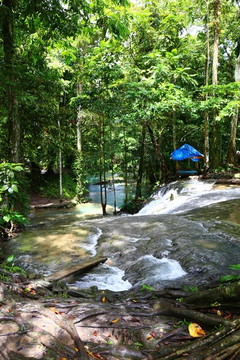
{"type": "Point", "coordinates": [60, 162]}
{"type": "Point", "coordinates": [216, 156]}
{"type": "Point", "coordinates": [125, 165]}
{"type": "Point", "coordinates": [80, 188]}
{"type": "Point", "coordinates": [112, 171]}
{"type": "Point", "coordinates": [79, 121]}
{"type": "Point", "coordinates": [102, 173]}
{"type": "Point", "coordinates": [138, 193]}
{"type": "Point", "coordinates": [161, 172]}
{"type": "Point", "coordinates": [206, 114]}
{"type": "Point", "coordinates": [232, 151]}
{"type": "Point", "coordinates": [9, 54]}
{"type": "Point", "coordinates": [174, 132]}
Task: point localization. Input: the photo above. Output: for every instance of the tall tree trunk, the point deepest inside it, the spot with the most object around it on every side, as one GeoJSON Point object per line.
{"type": "Point", "coordinates": [79, 120]}
{"type": "Point", "coordinates": [80, 188]}
{"type": "Point", "coordinates": [102, 173]}
{"type": "Point", "coordinates": [125, 165]}
{"type": "Point", "coordinates": [138, 193]}
{"type": "Point", "coordinates": [60, 162]}
{"type": "Point", "coordinates": [113, 187]}
{"type": "Point", "coordinates": [206, 114]}
{"type": "Point", "coordinates": [216, 153]}
{"type": "Point", "coordinates": [161, 172]}
{"type": "Point", "coordinates": [9, 54]}
{"type": "Point", "coordinates": [174, 133]}
{"type": "Point", "coordinates": [232, 154]}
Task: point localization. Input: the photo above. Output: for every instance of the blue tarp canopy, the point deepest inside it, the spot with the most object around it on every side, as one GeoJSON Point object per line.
{"type": "Point", "coordinates": [186, 152]}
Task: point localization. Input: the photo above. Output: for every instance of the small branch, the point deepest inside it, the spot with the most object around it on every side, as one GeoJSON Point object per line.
{"type": "Point", "coordinates": [15, 333]}
{"type": "Point", "coordinates": [115, 327]}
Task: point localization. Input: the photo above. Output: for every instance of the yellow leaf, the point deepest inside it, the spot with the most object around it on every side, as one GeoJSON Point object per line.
{"type": "Point", "coordinates": [104, 299]}
{"type": "Point", "coordinates": [195, 330]}
{"type": "Point", "coordinates": [114, 321]}
{"type": "Point", "coordinates": [53, 310]}
{"type": "Point", "coordinates": [219, 313]}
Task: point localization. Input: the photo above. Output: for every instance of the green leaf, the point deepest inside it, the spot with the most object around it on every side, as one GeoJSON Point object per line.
{"type": "Point", "coordinates": [235, 267]}
{"type": "Point", "coordinates": [229, 278]}
{"type": "Point", "coordinates": [7, 218]}
{"type": "Point", "coordinates": [10, 259]}
{"type": "Point", "coordinates": [14, 187]}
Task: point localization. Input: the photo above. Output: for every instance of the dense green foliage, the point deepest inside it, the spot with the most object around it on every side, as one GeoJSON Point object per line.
{"type": "Point", "coordinates": [116, 87]}
{"type": "Point", "coordinates": [13, 202]}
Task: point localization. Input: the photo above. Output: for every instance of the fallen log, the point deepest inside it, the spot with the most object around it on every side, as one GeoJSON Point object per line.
{"type": "Point", "coordinates": [228, 181]}
{"type": "Point", "coordinates": [51, 205]}
{"type": "Point", "coordinates": [76, 269]}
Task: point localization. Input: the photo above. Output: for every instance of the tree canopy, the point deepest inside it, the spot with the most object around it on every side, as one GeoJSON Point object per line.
{"type": "Point", "coordinates": [117, 85]}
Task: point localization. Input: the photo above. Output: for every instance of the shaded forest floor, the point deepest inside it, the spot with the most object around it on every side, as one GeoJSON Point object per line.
{"type": "Point", "coordinates": [46, 321]}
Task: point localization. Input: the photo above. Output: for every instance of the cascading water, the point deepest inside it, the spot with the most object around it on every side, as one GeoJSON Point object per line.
{"type": "Point", "coordinates": [185, 195]}
{"type": "Point", "coordinates": [166, 242]}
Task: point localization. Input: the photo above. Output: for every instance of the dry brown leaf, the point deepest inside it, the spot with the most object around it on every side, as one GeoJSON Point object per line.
{"type": "Point", "coordinates": [149, 337]}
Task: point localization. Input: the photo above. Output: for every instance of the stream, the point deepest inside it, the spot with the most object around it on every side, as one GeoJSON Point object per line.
{"type": "Point", "coordinates": [188, 233]}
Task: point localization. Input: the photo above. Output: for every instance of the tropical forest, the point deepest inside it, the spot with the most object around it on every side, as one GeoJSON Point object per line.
{"type": "Point", "coordinates": [119, 179]}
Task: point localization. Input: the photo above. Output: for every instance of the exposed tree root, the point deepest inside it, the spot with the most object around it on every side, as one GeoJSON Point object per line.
{"type": "Point", "coordinates": [222, 295]}
{"type": "Point", "coordinates": [119, 328]}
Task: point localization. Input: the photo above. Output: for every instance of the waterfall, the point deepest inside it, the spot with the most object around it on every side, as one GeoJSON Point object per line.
{"type": "Point", "coordinates": [184, 195]}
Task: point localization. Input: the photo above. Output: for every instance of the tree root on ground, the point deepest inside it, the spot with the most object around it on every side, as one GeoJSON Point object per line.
{"type": "Point", "coordinates": [121, 328]}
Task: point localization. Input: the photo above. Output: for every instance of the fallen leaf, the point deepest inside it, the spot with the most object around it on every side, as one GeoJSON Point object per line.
{"type": "Point", "coordinates": [153, 334]}
{"type": "Point", "coordinates": [95, 355]}
{"type": "Point", "coordinates": [104, 299]}
{"type": "Point", "coordinates": [54, 310]}
{"type": "Point", "coordinates": [114, 321]}
{"type": "Point", "coordinates": [95, 333]}
{"type": "Point", "coordinates": [28, 289]}
{"type": "Point", "coordinates": [195, 330]}
{"type": "Point", "coordinates": [149, 337]}
{"type": "Point", "coordinates": [219, 313]}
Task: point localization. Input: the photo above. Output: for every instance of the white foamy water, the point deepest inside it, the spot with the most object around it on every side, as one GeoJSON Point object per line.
{"type": "Point", "coordinates": [91, 242]}
{"type": "Point", "coordinates": [153, 270]}
{"type": "Point", "coordinates": [182, 196]}
{"type": "Point", "coordinates": [104, 277]}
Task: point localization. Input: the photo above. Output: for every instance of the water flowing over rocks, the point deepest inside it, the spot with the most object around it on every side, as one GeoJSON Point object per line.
{"type": "Point", "coordinates": [173, 240]}
{"type": "Point", "coordinates": [191, 251]}
{"type": "Point", "coordinates": [136, 305]}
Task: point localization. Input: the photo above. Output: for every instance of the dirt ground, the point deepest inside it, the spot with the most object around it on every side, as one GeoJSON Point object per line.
{"type": "Point", "coordinates": [38, 324]}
